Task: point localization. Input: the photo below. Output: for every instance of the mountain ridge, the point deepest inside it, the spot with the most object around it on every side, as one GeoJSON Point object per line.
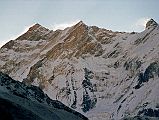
{"type": "Point", "coordinates": [98, 72]}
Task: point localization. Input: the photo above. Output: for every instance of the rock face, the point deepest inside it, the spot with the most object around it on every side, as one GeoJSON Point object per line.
{"type": "Point", "coordinates": [21, 102]}
{"type": "Point", "coordinates": [151, 23]}
{"type": "Point", "coordinates": [98, 72]}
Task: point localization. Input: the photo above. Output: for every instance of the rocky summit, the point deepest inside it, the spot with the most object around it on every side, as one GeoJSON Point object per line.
{"type": "Point", "coordinates": [102, 74]}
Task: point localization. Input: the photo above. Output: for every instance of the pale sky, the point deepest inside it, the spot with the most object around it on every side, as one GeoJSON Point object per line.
{"type": "Point", "coordinates": [118, 15]}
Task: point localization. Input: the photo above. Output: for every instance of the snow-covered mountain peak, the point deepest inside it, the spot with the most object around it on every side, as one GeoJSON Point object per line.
{"type": "Point", "coordinates": [151, 23]}
{"type": "Point", "coordinates": [80, 26]}
{"type": "Point", "coordinates": [80, 23]}
{"type": "Point", "coordinates": [35, 33]}
{"type": "Point", "coordinates": [35, 26]}
{"type": "Point", "coordinates": [101, 73]}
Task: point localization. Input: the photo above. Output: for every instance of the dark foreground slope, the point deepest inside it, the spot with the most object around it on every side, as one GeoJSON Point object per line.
{"type": "Point", "coordinates": [21, 102]}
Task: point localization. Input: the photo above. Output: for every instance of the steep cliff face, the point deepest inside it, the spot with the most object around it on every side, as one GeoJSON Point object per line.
{"type": "Point", "coordinates": [101, 73]}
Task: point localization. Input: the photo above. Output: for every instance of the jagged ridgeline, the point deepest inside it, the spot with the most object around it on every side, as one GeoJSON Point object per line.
{"type": "Point", "coordinates": [98, 72]}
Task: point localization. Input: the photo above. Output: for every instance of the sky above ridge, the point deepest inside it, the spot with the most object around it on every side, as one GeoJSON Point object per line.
{"type": "Point", "coordinates": [118, 15]}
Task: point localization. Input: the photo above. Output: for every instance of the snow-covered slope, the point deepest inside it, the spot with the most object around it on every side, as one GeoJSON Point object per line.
{"type": "Point", "coordinates": [21, 102]}
{"type": "Point", "coordinates": [100, 73]}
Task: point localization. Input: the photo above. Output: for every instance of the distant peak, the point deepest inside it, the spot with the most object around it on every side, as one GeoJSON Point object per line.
{"type": "Point", "coordinates": [35, 26]}
{"type": "Point", "coordinates": [151, 23]}
{"type": "Point", "coordinates": [35, 30]}
{"type": "Point", "coordinates": [80, 23]}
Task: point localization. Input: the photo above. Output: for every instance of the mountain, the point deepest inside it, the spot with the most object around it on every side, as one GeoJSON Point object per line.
{"type": "Point", "coordinates": [21, 102]}
{"type": "Point", "coordinates": [98, 72]}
